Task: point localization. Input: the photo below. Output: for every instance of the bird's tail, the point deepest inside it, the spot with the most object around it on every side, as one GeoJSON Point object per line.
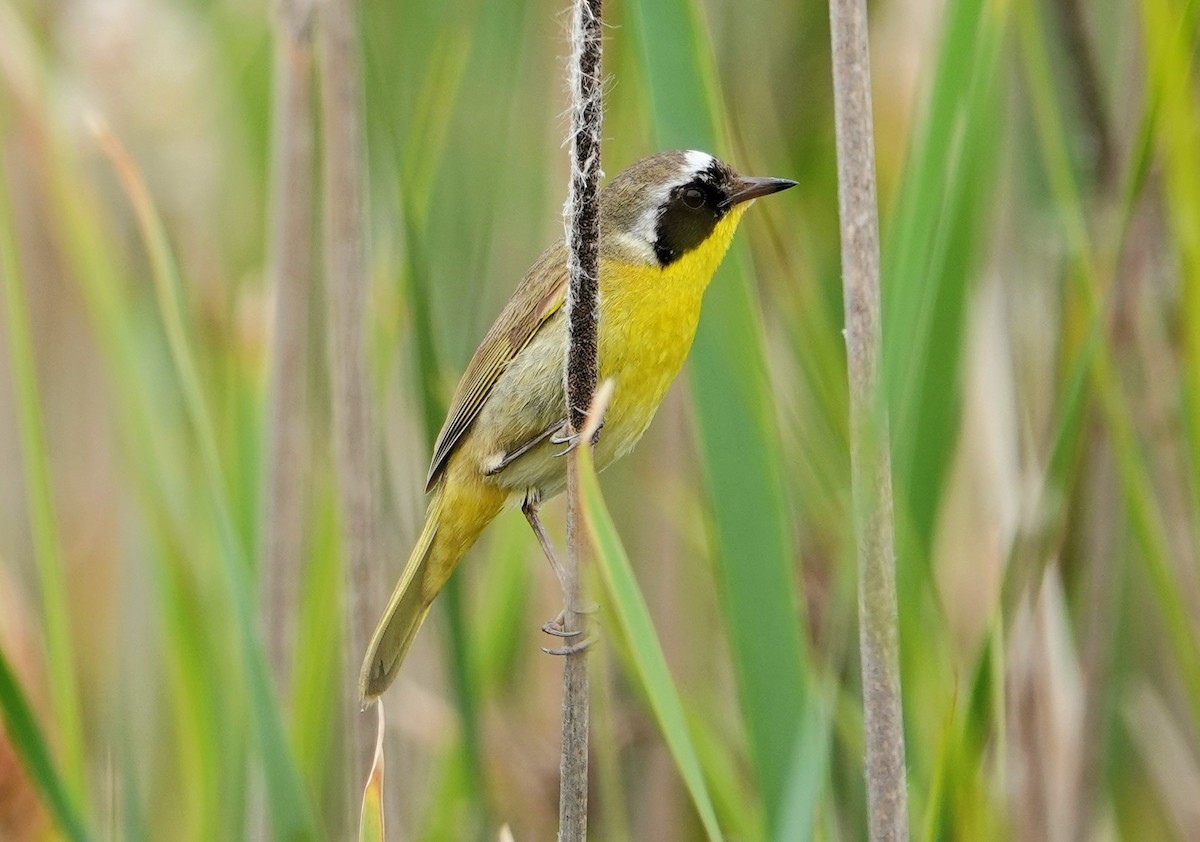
{"type": "Point", "coordinates": [456, 517]}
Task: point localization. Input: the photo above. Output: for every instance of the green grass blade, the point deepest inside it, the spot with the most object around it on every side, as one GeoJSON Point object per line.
{"type": "Point", "coordinates": [807, 781]}
{"type": "Point", "coordinates": [291, 812]}
{"type": "Point", "coordinates": [317, 664]}
{"type": "Point", "coordinates": [458, 642]}
{"type": "Point", "coordinates": [610, 819]}
{"type": "Point", "coordinates": [738, 809]}
{"type": "Point", "coordinates": [637, 634]}
{"type": "Point", "coordinates": [739, 442]}
{"type": "Point", "coordinates": [418, 159]}
{"type": "Point", "coordinates": [150, 456]}
{"type": "Point", "coordinates": [1137, 487]}
{"type": "Point", "coordinates": [930, 246]}
{"type": "Point", "coordinates": [1170, 32]}
{"type": "Point", "coordinates": [25, 736]}
{"type": "Point", "coordinates": [60, 661]}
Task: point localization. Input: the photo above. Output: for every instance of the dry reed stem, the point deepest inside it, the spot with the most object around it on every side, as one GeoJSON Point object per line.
{"type": "Point", "coordinates": [346, 292]}
{"type": "Point", "coordinates": [583, 238]}
{"type": "Point", "coordinates": [870, 460]}
{"type": "Point", "coordinates": [291, 257]}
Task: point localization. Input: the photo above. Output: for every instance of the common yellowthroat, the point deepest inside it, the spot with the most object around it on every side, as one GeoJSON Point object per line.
{"type": "Point", "coordinates": [665, 224]}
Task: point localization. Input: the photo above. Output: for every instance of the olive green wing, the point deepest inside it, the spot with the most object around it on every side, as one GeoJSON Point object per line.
{"type": "Point", "coordinates": [540, 295]}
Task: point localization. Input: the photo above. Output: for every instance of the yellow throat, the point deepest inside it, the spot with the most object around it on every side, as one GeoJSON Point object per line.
{"type": "Point", "coordinates": [648, 318]}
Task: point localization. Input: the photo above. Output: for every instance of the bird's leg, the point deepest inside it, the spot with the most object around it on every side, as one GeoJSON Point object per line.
{"type": "Point", "coordinates": [529, 508]}
{"type": "Point", "coordinates": [555, 626]}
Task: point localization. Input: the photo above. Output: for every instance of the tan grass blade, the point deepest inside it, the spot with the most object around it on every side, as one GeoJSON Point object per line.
{"type": "Point", "coordinates": [370, 824]}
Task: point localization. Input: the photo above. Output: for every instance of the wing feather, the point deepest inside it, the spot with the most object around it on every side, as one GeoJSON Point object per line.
{"type": "Point", "coordinates": [538, 297]}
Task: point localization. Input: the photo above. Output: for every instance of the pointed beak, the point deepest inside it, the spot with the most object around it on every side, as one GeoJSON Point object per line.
{"type": "Point", "coordinates": [752, 188]}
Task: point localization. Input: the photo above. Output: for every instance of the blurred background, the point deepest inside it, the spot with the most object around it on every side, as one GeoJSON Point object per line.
{"type": "Point", "coordinates": [1040, 205]}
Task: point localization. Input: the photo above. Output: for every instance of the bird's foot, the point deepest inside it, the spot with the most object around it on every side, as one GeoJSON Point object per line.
{"type": "Point", "coordinates": [555, 627]}
{"type": "Point", "coordinates": [572, 441]}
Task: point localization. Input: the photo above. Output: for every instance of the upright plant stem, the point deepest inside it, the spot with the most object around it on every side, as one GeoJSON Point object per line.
{"type": "Point", "coordinates": [291, 276]}
{"type": "Point", "coordinates": [583, 316]}
{"type": "Point", "coordinates": [346, 292]}
{"type": "Point", "coordinates": [869, 457]}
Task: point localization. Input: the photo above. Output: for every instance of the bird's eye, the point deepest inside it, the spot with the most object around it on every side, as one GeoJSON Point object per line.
{"type": "Point", "coordinates": [693, 198]}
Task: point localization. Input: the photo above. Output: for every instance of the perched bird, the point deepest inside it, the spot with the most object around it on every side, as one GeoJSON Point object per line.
{"type": "Point", "coordinates": [665, 224]}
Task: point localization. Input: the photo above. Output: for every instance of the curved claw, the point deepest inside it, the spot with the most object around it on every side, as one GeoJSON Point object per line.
{"type": "Point", "coordinates": [572, 648]}
{"type": "Point", "coordinates": [554, 627]}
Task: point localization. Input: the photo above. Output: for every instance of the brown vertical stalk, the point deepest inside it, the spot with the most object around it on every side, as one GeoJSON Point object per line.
{"type": "Point", "coordinates": [583, 315]}
{"type": "Point", "coordinates": [290, 276]}
{"type": "Point", "coordinates": [346, 292]}
{"type": "Point", "coordinates": [869, 457]}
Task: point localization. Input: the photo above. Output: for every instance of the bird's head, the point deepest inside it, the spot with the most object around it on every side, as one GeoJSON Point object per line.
{"type": "Point", "coordinates": [663, 207]}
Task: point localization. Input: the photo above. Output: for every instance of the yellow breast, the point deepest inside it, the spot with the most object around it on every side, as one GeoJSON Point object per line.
{"type": "Point", "coordinates": [647, 324]}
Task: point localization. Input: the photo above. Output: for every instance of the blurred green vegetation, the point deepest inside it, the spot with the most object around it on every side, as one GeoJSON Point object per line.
{"type": "Point", "coordinates": [1039, 170]}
